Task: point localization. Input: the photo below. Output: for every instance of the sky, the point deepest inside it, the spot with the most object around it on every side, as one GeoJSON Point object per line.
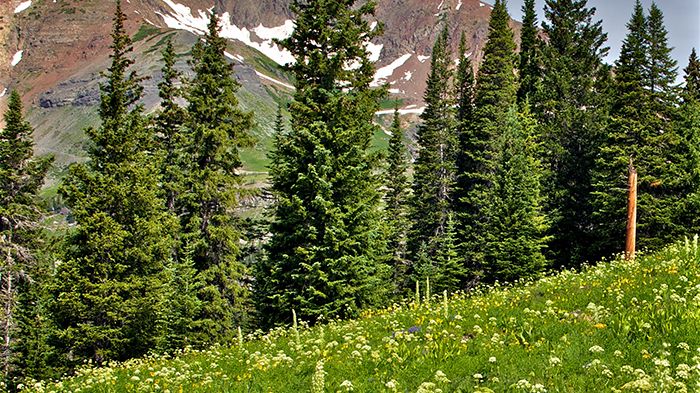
{"type": "Point", "coordinates": [682, 19]}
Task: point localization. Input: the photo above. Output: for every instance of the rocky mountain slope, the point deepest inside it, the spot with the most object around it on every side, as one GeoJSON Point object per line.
{"type": "Point", "coordinates": [53, 51]}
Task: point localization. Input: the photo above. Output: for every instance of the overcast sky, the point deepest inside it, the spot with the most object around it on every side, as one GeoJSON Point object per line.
{"type": "Point", "coordinates": [682, 19]}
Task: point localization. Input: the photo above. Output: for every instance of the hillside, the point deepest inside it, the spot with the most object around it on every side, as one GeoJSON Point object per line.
{"type": "Point", "coordinates": [620, 326]}
{"type": "Point", "coordinates": [53, 53]}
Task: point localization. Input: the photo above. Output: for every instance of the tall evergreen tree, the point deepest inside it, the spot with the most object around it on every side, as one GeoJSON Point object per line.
{"type": "Point", "coordinates": [326, 252]}
{"type": "Point", "coordinates": [571, 108]}
{"type": "Point", "coordinates": [170, 132]}
{"type": "Point", "coordinates": [691, 90]}
{"type": "Point", "coordinates": [172, 142]}
{"type": "Point", "coordinates": [435, 166]}
{"type": "Point", "coordinates": [109, 291]}
{"type": "Point", "coordinates": [397, 185]}
{"type": "Point", "coordinates": [661, 69]}
{"type": "Point", "coordinates": [217, 128]}
{"type": "Point", "coordinates": [642, 131]}
{"type": "Point", "coordinates": [515, 227]}
{"type": "Point", "coordinates": [495, 94]}
{"type": "Point", "coordinates": [629, 113]}
{"type": "Point", "coordinates": [528, 67]}
{"type": "Point", "coordinates": [21, 176]}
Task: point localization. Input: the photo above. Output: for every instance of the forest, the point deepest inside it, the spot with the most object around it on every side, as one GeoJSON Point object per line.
{"type": "Point", "coordinates": [521, 170]}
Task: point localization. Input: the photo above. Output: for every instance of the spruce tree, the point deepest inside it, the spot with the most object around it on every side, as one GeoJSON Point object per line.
{"type": "Point", "coordinates": [217, 129]}
{"type": "Point", "coordinates": [21, 176]}
{"type": "Point", "coordinates": [396, 196]}
{"type": "Point", "coordinates": [170, 133]}
{"type": "Point", "coordinates": [515, 225]}
{"type": "Point", "coordinates": [629, 113]}
{"type": "Point", "coordinates": [494, 95]}
{"type": "Point", "coordinates": [571, 109]}
{"type": "Point", "coordinates": [109, 291]}
{"type": "Point", "coordinates": [435, 167]}
{"type": "Point", "coordinates": [642, 131]}
{"type": "Point", "coordinates": [528, 67]}
{"type": "Point", "coordinates": [661, 69]}
{"type": "Point", "coordinates": [691, 90]}
{"type": "Point", "coordinates": [450, 272]}
{"type": "Point", "coordinates": [327, 250]}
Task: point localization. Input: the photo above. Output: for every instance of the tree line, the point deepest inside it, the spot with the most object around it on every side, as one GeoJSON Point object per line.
{"type": "Point", "coordinates": [521, 168]}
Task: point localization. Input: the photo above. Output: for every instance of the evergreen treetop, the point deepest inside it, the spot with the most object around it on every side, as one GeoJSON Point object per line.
{"type": "Point", "coordinates": [692, 78]}
{"type": "Point", "coordinates": [528, 66]}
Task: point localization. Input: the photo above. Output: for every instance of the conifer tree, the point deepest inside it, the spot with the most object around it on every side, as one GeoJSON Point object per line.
{"type": "Point", "coordinates": [661, 69]}
{"type": "Point", "coordinates": [435, 166]}
{"type": "Point", "coordinates": [327, 250]}
{"type": "Point", "coordinates": [450, 272]}
{"type": "Point", "coordinates": [629, 113]}
{"type": "Point", "coordinates": [217, 129]}
{"type": "Point", "coordinates": [691, 90]}
{"type": "Point", "coordinates": [396, 200]}
{"type": "Point", "coordinates": [528, 67]}
{"type": "Point", "coordinates": [571, 108]}
{"type": "Point", "coordinates": [171, 136]}
{"type": "Point", "coordinates": [494, 95]}
{"type": "Point", "coordinates": [109, 291]}
{"type": "Point", "coordinates": [515, 226]}
{"type": "Point", "coordinates": [642, 132]}
{"type": "Point", "coordinates": [21, 176]}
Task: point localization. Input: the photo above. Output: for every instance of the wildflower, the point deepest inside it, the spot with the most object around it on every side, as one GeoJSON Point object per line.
{"type": "Point", "coordinates": [492, 359]}
{"type": "Point", "coordinates": [618, 354]}
{"type": "Point", "coordinates": [440, 377]}
{"type": "Point", "coordinates": [596, 349]}
{"type": "Point", "coordinates": [554, 361]}
{"type": "Point", "coordinates": [347, 385]}
{"type": "Point", "coordinates": [318, 380]}
{"type": "Point", "coordinates": [391, 385]}
{"type": "Point", "coordinates": [478, 376]}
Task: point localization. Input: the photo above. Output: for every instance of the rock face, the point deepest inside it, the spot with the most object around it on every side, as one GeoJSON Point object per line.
{"type": "Point", "coordinates": [65, 46]}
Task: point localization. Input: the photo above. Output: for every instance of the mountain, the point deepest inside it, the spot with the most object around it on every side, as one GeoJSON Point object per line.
{"type": "Point", "coordinates": [53, 52]}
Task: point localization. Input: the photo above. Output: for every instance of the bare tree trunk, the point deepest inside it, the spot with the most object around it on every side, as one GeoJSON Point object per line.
{"type": "Point", "coordinates": [630, 246]}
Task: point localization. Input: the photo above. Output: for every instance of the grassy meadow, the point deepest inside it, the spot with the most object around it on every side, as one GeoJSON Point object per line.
{"type": "Point", "coordinates": [616, 327]}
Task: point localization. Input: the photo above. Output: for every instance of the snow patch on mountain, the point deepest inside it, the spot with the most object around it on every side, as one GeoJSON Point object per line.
{"type": "Point", "coordinates": [459, 5]}
{"type": "Point", "coordinates": [405, 111]}
{"type": "Point", "coordinates": [23, 6]}
{"type": "Point", "coordinates": [182, 18]}
{"type": "Point", "coordinates": [17, 58]}
{"type": "Point", "coordinates": [273, 80]}
{"type": "Point", "coordinates": [375, 51]}
{"type": "Point", "coordinates": [422, 59]}
{"type": "Point", "coordinates": [385, 72]}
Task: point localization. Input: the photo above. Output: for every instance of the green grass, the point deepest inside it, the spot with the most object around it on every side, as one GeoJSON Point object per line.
{"type": "Point", "coordinates": [618, 327]}
{"type": "Point", "coordinates": [144, 32]}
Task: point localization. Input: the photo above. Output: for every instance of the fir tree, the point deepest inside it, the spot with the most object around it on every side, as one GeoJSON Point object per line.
{"type": "Point", "coordinates": [661, 69]}
{"type": "Point", "coordinates": [326, 252]}
{"type": "Point", "coordinates": [691, 90]}
{"type": "Point", "coordinates": [528, 67]}
{"type": "Point", "coordinates": [571, 109]}
{"type": "Point", "coordinates": [629, 112]}
{"type": "Point", "coordinates": [450, 272]}
{"type": "Point", "coordinates": [171, 136]}
{"type": "Point", "coordinates": [21, 176]}
{"type": "Point", "coordinates": [109, 292]}
{"type": "Point", "coordinates": [515, 226]}
{"type": "Point", "coordinates": [642, 132]}
{"type": "Point", "coordinates": [494, 95]}
{"type": "Point", "coordinates": [435, 166]}
{"type": "Point", "coordinates": [217, 129]}
{"type": "Point", "coordinates": [396, 200]}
